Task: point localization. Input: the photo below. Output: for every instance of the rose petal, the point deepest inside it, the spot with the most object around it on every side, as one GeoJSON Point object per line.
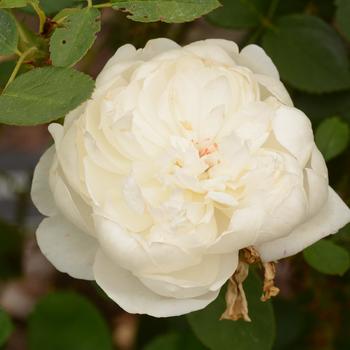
{"type": "Point", "coordinates": [70, 204]}
{"type": "Point", "coordinates": [333, 216]}
{"type": "Point", "coordinates": [197, 280]}
{"type": "Point", "coordinates": [41, 194]}
{"type": "Point", "coordinates": [242, 232]}
{"type": "Point", "coordinates": [122, 245]}
{"type": "Point", "coordinates": [131, 295]}
{"type": "Point", "coordinates": [157, 46]}
{"type": "Point", "coordinates": [293, 131]}
{"type": "Point", "coordinates": [271, 86]}
{"type": "Point", "coordinates": [66, 247]}
{"type": "Point", "coordinates": [255, 58]}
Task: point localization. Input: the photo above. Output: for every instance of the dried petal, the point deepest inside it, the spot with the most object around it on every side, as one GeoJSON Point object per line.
{"type": "Point", "coordinates": [270, 290]}
{"type": "Point", "coordinates": [236, 301]}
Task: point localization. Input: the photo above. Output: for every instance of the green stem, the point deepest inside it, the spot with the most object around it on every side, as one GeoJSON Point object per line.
{"type": "Point", "coordinates": [99, 6]}
{"type": "Point", "coordinates": [89, 3]}
{"type": "Point", "coordinates": [18, 65]}
{"type": "Point", "coordinates": [41, 15]}
{"type": "Point", "coordinates": [22, 33]}
{"type": "Point", "coordinates": [265, 22]}
{"type": "Point", "coordinates": [272, 9]}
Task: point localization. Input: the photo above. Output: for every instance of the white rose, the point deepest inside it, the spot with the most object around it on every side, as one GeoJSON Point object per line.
{"type": "Point", "coordinates": [183, 156]}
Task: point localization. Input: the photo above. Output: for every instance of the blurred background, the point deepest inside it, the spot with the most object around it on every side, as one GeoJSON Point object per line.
{"type": "Point", "coordinates": [40, 306]}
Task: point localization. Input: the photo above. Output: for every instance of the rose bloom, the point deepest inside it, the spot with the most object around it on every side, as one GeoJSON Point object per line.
{"type": "Point", "coordinates": [182, 157]}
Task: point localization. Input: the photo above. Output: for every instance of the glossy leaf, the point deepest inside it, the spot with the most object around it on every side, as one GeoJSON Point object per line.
{"type": "Point", "coordinates": [170, 11]}
{"type": "Point", "coordinates": [8, 34]}
{"type": "Point", "coordinates": [238, 335]}
{"type": "Point", "coordinates": [239, 14]}
{"type": "Point", "coordinates": [327, 257]}
{"type": "Point", "coordinates": [308, 53]}
{"type": "Point", "coordinates": [41, 95]}
{"type": "Point", "coordinates": [67, 321]}
{"type": "Point", "coordinates": [332, 137]}
{"type": "Point", "coordinates": [70, 42]}
{"type": "Point", "coordinates": [6, 327]}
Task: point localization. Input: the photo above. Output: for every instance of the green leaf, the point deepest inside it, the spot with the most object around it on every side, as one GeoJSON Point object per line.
{"type": "Point", "coordinates": [237, 335]}
{"type": "Point", "coordinates": [308, 53]}
{"type": "Point", "coordinates": [29, 39]}
{"type": "Point", "coordinates": [332, 137]}
{"type": "Point", "coordinates": [51, 7]}
{"type": "Point", "coordinates": [11, 244]}
{"type": "Point", "coordinates": [8, 34]}
{"type": "Point", "coordinates": [169, 11]}
{"type": "Point", "coordinates": [67, 321]}
{"type": "Point", "coordinates": [175, 341]}
{"type": "Point", "coordinates": [70, 43]}
{"type": "Point", "coordinates": [63, 14]}
{"type": "Point", "coordinates": [239, 14]}
{"type": "Point", "coordinates": [41, 95]}
{"type": "Point", "coordinates": [12, 3]}
{"type": "Point", "coordinates": [327, 257]}
{"type": "Point", "coordinates": [342, 16]}
{"type": "Point", "coordinates": [6, 327]}
{"type": "Point", "coordinates": [6, 69]}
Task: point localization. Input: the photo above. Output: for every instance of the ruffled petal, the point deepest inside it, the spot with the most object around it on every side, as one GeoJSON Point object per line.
{"type": "Point", "coordinates": [66, 247]}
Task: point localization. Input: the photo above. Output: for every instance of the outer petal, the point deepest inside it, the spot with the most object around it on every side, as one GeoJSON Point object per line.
{"type": "Point", "coordinates": [293, 131]}
{"type": "Point", "coordinates": [131, 251]}
{"type": "Point", "coordinates": [333, 216]}
{"type": "Point", "coordinates": [157, 46]}
{"type": "Point", "coordinates": [209, 275]}
{"type": "Point", "coordinates": [41, 194]}
{"type": "Point", "coordinates": [228, 45]}
{"type": "Point", "coordinates": [274, 87]}
{"type": "Point", "coordinates": [242, 232]}
{"type": "Point", "coordinates": [66, 247]}
{"type": "Point", "coordinates": [255, 58]}
{"type": "Point", "coordinates": [130, 294]}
